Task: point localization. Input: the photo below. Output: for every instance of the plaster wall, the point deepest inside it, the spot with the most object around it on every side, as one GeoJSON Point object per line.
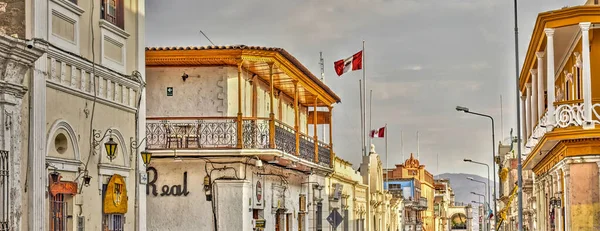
{"type": "Point", "coordinates": [233, 201]}
{"type": "Point", "coordinates": [204, 93]}
{"type": "Point", "coordinates": [584, 197]}
{"type": "Point", "coordinates": [71, 111]}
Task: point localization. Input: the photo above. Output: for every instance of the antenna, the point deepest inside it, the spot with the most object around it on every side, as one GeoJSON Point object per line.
{"type": "Point", "coordinates": [322, 63]}
{"type": "Point", "coordinates": [417, 145]}
{"type": "Point", "coordinates": [501, 120]}
{"type": "Point", "coordinates": [207, 37]}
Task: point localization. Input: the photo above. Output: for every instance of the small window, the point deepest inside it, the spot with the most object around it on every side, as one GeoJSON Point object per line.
{"type": "Point", "coordinates": [112, 11]}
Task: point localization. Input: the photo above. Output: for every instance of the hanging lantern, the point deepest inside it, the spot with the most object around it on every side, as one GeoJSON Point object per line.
{"type": "Point", "coordinates": [146, 157]}
{"type": "Point", "coordinates": [111, 149]}
{"type": "Point", "coordinates": [86, 180]}
{"type": "Point", "coordinates": [55, 176]}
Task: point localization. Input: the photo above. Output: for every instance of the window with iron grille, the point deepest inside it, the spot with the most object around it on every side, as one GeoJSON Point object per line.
{"type": "Point", "coordinates": [112, 11]}
{"type": "Point", "coordinates": [4, 203]}
{"type": "Point", "coordinates": [112, 222]}
{"type": "Point", "coordinates": [58, 212]}
{"type": "Point", "coordinates": [319, 215]}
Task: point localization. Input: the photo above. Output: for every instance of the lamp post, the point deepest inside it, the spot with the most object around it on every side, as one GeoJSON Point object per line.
{"type": "Point", "coordinates": [480, 195]}
{"type": "Point", "coordinates": [466, 110]}
{"type": "Point", "coordinates": [485, 200]}
{"type": "Point", "coordinates": [488, 172]}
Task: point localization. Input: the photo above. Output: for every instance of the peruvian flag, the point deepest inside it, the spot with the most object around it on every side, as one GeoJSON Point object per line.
{"type": "Point", "coordinates": [353, 63]}
{"type": "Point", "coordinates": [378, 133]}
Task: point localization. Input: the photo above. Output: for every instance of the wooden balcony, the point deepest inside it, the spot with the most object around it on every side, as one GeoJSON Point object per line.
{"type": "Point", "coordinates": [210, 133]}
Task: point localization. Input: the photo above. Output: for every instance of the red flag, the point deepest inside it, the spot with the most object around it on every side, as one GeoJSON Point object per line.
{"type": "Point", "coordinates": [378, 133]}
{"type": "Point", "coordinates": [352, 63]}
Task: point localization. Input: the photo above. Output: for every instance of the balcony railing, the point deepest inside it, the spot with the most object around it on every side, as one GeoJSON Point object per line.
{"type": "Point", "coordinates": [222, 133]}
{"type": "Point", "coordinates": [420, 204]}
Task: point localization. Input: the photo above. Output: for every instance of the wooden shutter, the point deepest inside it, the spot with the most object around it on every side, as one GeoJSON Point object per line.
{"type": "Point", "coordinates": [120, 14]}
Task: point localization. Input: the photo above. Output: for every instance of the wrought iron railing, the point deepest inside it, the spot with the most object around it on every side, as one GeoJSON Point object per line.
{"type": "Point", "coordinates": [324, 154]}
{"type": "Point", "coordinates": [256, 133]}
{"type": "Point", "coordinates": [4, 189]}
{"type": "Point", "coordinates": [307, 148]}
{"type": "Point", "coordinates": [222, 132]}
{"type": "Point", "coordinates": [285, 138]}
{"type": "Point", "coordinates": [191, 133]}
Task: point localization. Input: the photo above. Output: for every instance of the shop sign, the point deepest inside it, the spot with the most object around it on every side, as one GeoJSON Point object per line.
{"type": "Point", "coordinates": [258, 200]}
{"type": "Point", "coordinates": [63, 187]}
{"type": "Point", "coordinates": [115, 199]}
{"type": "Point", "coordinates": [166, 190]}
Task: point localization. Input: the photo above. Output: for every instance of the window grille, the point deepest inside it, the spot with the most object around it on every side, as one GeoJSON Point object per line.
{"type": "Point", "coordinates": [4, 189]}
{"type": "Point", "coordinates": [114, 222]}
{"type": "Point", "coordinates": [319, 214]}
{"type": "Point", "coordinates": [58, 213]}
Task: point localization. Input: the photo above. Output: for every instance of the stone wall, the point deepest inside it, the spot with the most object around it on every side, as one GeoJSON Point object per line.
{"type": "Point", "coordinates": [12, 18]}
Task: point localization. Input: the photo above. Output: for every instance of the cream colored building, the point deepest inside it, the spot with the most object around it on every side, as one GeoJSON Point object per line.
{"type": "Point", "coordinates": [352, 202]}
{"type": "Point", "coordinates": [76, 97]}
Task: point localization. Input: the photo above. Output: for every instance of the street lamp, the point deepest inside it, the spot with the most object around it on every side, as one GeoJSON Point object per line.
{"type": "Point", "coordinates": [485, 201]}
{"type": "Point", "coordinates": [488, 172]}
{"type": "Point", "coordinates": [466, 110]}
{"type": "Point", "coordinates": [480, 195]}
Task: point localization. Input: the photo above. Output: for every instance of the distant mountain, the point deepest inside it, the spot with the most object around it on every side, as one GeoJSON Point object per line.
{"type": "Point", "coordinates": [463, 187]}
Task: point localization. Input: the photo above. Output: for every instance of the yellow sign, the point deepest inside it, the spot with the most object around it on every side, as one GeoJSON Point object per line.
{"type": "Point", "coordinates": [115, 199]}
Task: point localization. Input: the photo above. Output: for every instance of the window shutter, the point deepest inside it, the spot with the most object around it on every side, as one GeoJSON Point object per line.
{"type": "Point", "coordinates": [120, 14]}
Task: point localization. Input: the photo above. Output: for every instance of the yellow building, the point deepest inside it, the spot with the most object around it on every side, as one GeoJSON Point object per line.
{"type": "Point", "coordinates": [559, 82]}
{"type": "Point", "coordinates": [351, 201]}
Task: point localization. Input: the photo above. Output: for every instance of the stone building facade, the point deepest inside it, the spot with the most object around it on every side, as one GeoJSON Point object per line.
{"type": "Point", "coordinates": [85, 90]}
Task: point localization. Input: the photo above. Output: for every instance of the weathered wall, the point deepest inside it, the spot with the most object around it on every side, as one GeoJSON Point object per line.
{"type": "Point", "coordinates": [72, 110]}
{"type": "Point", "coordinates": [12, 18]}
{"type": "Point", "coordinates": [204, 93]}
{"type": "Point", "coordinates": [584, 197]}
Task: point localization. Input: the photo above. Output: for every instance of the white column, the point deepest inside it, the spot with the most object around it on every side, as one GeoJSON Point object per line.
{"type": "Point", "coordinates": [529, 111]}
{"type": "Point", "coordinates": [524, 116]}
{"type": "Point", "coordinates": [534, 98]}
{"type": "Point", "coordinates": [587, 85]}
{"type": "Point", "coordinates": [37, 174]}
{"type": "Point", "coordinates": [540, 84]}
{"type": "Point", "coordinates": [550, 74]}
{"type": "Point", "coordinates": [141, 67]}
{"type": "Point", "coordinates": [567, 193]}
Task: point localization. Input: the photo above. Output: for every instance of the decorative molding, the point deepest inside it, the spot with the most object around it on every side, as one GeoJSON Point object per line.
{"type": "Point", "coordinates": [114, 29]}
{"type": "Point", "coordinates": [63, 124]}
{"type": "Point", "coordinates": [67, 165]}
{"type": "Point", "coordinates": [88, 96]}
{"type": "Point", "coordinates": [109, 169]}
{"type": "Point", "coordinates": [100, 70]}
{"type": "Point", "coordinates": [64, 10]}
{"type": "Point", "coordinates": [74, 8]}
{"type": "Point", "coordinates": [116, 39]}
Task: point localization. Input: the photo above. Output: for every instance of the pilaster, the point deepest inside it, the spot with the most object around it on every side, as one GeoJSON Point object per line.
{"type": "Point", "coordinates": [567, 174]}
{"type": "Point", "coordinates": [16, 59]}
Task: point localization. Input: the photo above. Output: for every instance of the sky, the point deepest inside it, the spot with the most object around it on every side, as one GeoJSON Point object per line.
{"type": "Point", "coordinates": [422, 59]}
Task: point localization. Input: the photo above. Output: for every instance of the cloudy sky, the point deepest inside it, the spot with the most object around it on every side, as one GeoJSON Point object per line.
{"type": "Point", "coordinates": [423, 58]}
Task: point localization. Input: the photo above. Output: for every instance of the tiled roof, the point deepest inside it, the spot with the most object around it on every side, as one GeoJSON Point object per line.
{"type": "Point", "coordinates": [282, 51]}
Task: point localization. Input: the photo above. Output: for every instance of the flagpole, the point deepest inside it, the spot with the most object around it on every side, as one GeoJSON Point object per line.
{"type": "Point", "coordinates": [417, 145]}
{"type": "Point", "coordinates": [362, 127]}
{"type": "Point", "coordinates": [402, 144]}
{"type": "Point", "coordinates": [364, 96]}
{"type": "Point", "coordinates": [385, 135]}
{"type": "Point", "coordinates": [370, 113]}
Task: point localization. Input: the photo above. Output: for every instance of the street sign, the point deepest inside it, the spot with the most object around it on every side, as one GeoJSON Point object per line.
{"type": "Point", "coordinates": [169, 91]}
{"type": "Point", "coordinates": [335, 219]}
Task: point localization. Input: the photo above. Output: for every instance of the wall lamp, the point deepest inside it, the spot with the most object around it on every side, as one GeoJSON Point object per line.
{"type": "Point", "coordinates": [145, 154]}
{"type": "Point", "coordinates": [110, 146]}
{"type": "Point", "coordinates": [184, 76]}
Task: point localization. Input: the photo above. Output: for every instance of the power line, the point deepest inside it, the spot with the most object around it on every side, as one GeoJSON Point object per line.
{"type": "Point", "coordinates": [207, 38]}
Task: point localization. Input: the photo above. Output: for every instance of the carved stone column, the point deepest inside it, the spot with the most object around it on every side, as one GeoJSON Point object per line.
{"type": "Point", "coordinates": [16, 59]}
{"type": "Point", "coordinates": [567, 193]}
